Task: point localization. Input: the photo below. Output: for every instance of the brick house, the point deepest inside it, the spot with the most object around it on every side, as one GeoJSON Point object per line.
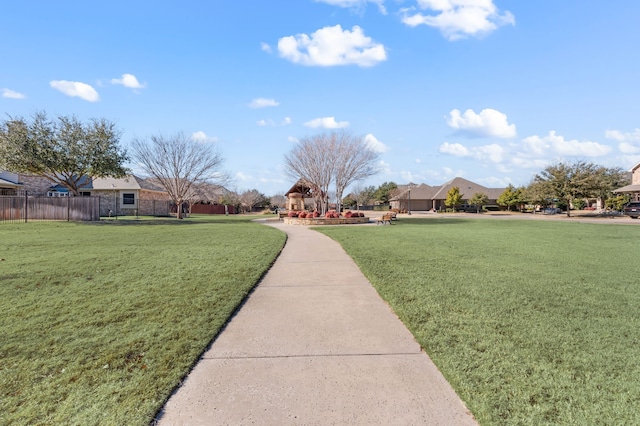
{"type": "Point", "coordinates": [424, 197]}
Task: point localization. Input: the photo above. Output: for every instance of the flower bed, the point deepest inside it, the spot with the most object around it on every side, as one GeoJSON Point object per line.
{"type": "Point", "coordinates": [330, 218]}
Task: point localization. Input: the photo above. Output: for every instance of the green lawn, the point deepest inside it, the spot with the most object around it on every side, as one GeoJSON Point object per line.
{"type": "Point", "coordinates": [532, 322]}
{"type": "Point", "coordinates": [100, 321]}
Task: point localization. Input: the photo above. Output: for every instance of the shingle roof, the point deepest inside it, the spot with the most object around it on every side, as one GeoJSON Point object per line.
{"type": "Point", "coordinates": [127, 182]}
{"type": "Point", "coordinates": [8, 184]}
{"type": "Point", "coordinates": [467, 189]}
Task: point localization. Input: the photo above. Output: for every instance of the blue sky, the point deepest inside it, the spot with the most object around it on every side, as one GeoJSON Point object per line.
{"type": "Point", "coordinates": [492, 91]}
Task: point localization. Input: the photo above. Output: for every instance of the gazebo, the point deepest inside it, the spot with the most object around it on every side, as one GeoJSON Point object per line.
{"type": "Point", "coordinates": [296, 195]}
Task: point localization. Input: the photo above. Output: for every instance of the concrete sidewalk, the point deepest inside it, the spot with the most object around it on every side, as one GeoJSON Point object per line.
{"type": "Point", "coordinates": [315, 344]}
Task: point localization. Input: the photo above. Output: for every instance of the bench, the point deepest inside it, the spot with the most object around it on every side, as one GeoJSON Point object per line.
{"type": "Point", "coordinates": [386, 218]}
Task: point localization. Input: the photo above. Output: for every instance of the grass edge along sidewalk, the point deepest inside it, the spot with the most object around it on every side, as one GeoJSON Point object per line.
{"type": "Point", "coordinates": [100, 321]}
{"type": "Point", "coordinates": [531, 322]}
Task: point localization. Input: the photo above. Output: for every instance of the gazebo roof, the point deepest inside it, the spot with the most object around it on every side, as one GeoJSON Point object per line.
{"type": "Point", "coordinates": [299, 188]}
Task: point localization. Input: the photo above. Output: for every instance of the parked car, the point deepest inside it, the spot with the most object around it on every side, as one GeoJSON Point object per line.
{"type": "Point", "coordinates": [632, 209]}
{"type": "Point", "coordinates": [552, 210]}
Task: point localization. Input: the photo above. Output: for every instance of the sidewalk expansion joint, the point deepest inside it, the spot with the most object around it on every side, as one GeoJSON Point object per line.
{"type": "Point", "coordinates": [419, 353]}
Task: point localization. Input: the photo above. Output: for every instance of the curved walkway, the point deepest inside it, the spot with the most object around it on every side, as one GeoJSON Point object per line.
{"type": "Point", "coordinates": [314, 344]}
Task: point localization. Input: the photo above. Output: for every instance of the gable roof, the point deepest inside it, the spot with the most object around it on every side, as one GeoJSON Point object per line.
{"type": "Point", "coordinates": [130, 182]}
{"type": "Point", "coordinates": [300, 188]}
{"type": "Point", "coordinates": [4, 183]}
{"type": "Point", "coordinates": [467, 189]}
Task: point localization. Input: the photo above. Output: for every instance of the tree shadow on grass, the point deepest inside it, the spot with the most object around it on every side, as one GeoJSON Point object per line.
{"type": "Point", "coordinates": [168, 221]}
{"type": "Point", "coordinates": [432, 221]}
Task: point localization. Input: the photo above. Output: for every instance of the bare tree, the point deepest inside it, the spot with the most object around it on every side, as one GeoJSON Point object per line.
{"type": "Point", "coordinates": [179, 163]}
{"type": "Point", "coordinates": [336, 157]}
{"type": "Point", "coordinates": [251, 198]}
{"type": "Point", "coordinates": [311, 161]}
{"type": "Point", "coordinates": [354, 161]}
{"type": "Point", "coordinates": [278, 200]}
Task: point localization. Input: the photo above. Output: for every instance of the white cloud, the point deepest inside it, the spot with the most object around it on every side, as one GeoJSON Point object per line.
{"type": "Point", "coordinates": [263, 103]}
{"type": "Point", "coordinates": [128, 80]}
{"type": "Point", "coordinates": [76, 89]}
{"type": "Point", "coordinates": [355, 4]}
{"type": "Point", "coordinates": [556, 144]}
{"type": "Point", "coordinates": [10, 94]}
{"type": "Point", "coordinates": [489, 123]}
{"type": "Point", "coordinates": [265, 47]}
{"type": "Point", "coordinates": [265, 123]}
{"type": "Point", "coordinates": [202, 137]}
{"type": "Point", "coordinates": [286, 121]}
{"type": "Point", "coordinates": [493, 153]}
{"type": "Point", "coordinates": [454, 149]}
{"type": "Point", "coordinates": [292, 139]}
{"type": "Point", "coordinates": [458, 19]}
{"type": "Point", "coordinates": [243, 177]}
{"type": "Point", "coordinates": [375, 144]}
{"type": "Point", "coordinates": [629, 143]}
{"type": "Point", "coordinates": [327, 123]}
{"type": "Point", "coordinates": [628, 148]}
{"type": "Point", "coordinates": [331, 46]}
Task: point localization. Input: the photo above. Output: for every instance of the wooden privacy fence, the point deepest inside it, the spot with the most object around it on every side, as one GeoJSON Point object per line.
{"type": "Point", "coordinates": [25, 208]}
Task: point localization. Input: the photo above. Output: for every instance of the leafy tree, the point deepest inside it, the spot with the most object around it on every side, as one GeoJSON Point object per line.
{"type": "Point", "coordinates": [454, 198]}
{"type": "Point", "coordinates": [179, 164]}
{"type": "Point", "coordinates": [385, 192]}
{"type": "Point", "coordinates": [363, 195]}
{"type": "Point", "coordinates": [511, 196]}
{"type": "Point", "coordinates": [579, 203]}
{"type": "Point", "coordinates": [608, 180]}
{"type": "Point", "coordinates": [567, 182]}
{"type": "Point", "coordinates": [537, 194]}
{"type": "Point", "coordinates": [64, 151]}
{"type": "Point", "coordinates": [349, 202]}
{"type": "Point", "coordinates": [618, 202]}
{"type": "Point", "coordinates": [478, 199]}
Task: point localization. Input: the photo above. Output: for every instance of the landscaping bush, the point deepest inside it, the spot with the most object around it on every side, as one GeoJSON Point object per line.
{"type": "Point", "coordinates": [292, 214]}
{"type": "Point", "coordinates": [316, 214]}
{"type": "Point", "coordinates": [348, 214]}
{"type": "Point", "coordinates": [302, 215]}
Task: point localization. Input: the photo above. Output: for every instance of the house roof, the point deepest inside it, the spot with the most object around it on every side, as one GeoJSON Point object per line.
{"type": "Point", "coordinates": [628, 188]}
{"type": "Point", "coordinates": [9, 180]}
{"type": "Point", "coordinates": [467, 190]}
{"type": "Point", "coordinates": [130, 182]}
{"type": "Point", "coordinates": [8, 184]}
{"type": "Point", "coordinates": [419, 192]}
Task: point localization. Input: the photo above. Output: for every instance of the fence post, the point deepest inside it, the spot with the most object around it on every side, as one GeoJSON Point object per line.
{"type": "Point", "coordinates": [26, 206]}
{"type": "Point", "coordinates": [68, 207]}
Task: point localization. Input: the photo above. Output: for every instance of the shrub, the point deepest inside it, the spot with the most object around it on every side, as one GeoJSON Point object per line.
{"type": "Point", "coordinates": [348, 214]}
{"type": "Point", "coordinates": [316, 214]}
{"type": "Point", "coordinates": [302, 215]}
{"type": "Point", "coordinates": [292, 214]}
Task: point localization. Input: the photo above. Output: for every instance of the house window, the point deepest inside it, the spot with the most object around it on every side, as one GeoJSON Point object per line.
{"type": "Point", "coordinates": [128, 199]}
{"type": "Point", "coordinates": [85, 194]}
